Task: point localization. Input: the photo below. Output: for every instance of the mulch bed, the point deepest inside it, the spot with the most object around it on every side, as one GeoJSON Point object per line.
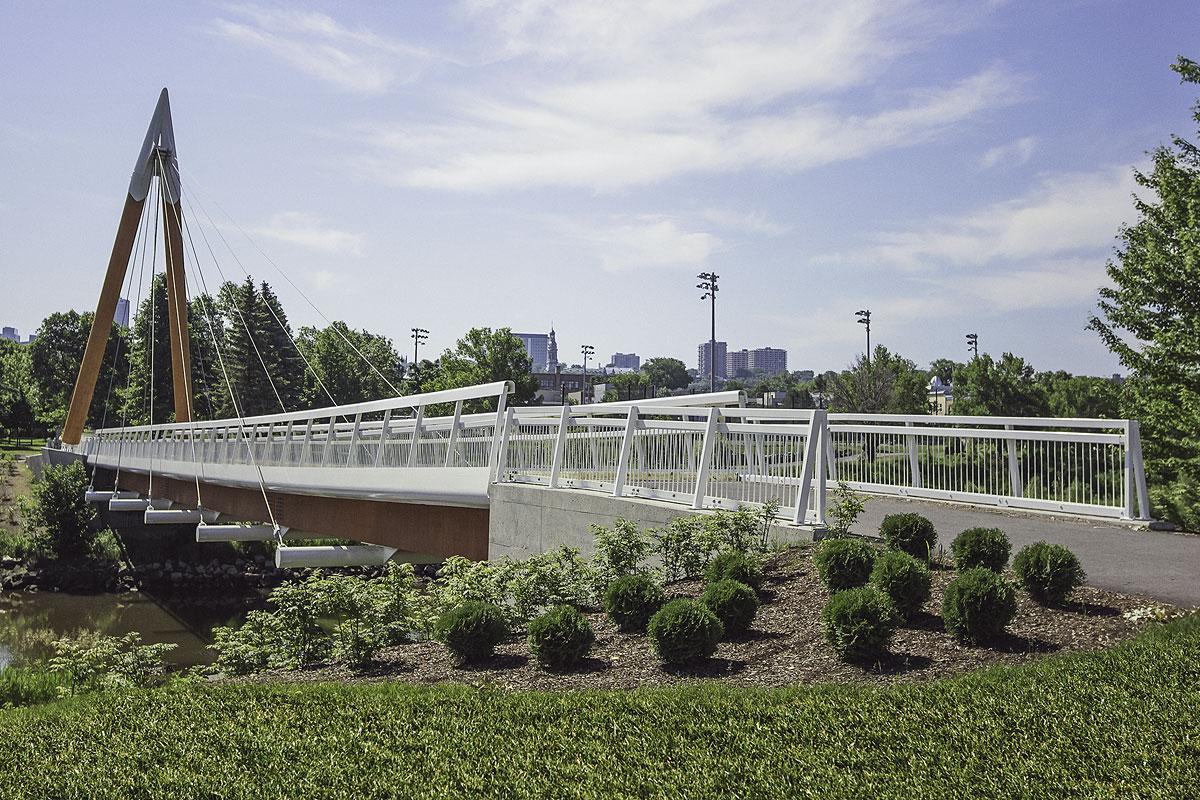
{"type": "Point", "coordinates": [785, 646]}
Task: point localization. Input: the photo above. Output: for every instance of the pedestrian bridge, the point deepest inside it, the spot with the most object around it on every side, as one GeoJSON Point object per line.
{"type": "Point", "coordinates": [418, 474]}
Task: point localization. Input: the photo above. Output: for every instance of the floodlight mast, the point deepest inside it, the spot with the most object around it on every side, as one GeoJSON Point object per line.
{"type": "Point", "coordinates": [709, 285]}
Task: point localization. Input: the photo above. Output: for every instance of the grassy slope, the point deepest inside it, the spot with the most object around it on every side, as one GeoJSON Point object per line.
{"type": "Point", "coordinates": [1118, 723]}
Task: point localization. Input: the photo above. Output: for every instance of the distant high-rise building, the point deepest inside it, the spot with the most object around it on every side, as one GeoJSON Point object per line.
{"type": "Point", "coordinates": [10, 334]}
{"type": "Point", "coordinates": [770, 360]}
{"type": "Point", "coordinates": [121, 317]}
{"type": "Point", "coordinates": [626, 361]}
{"type": "Point", "coordinates": [737, 363]}
{"type": "Point", "coordinates": [538, 347]}
{"type": "Point", "coordinates": [706, 359]}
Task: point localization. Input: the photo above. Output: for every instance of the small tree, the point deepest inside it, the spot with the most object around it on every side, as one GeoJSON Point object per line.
{"type": "Point", "coordinates": [1150, 318]}
{"type": "Point", "coordinates": [58, 520]}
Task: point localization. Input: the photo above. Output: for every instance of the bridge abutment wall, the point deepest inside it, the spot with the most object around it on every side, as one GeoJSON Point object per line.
{"type": "Point", "coordinates": [526, 520]}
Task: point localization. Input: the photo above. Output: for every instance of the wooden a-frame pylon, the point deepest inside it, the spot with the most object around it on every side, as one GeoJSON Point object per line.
{"type": "Point", "coordinates": [157, 158]}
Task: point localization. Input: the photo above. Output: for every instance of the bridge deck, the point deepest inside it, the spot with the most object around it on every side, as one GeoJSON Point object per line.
{"type": "Point", "coordinates": [1158, 564]}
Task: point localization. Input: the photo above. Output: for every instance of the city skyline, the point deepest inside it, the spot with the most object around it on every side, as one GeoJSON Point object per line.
{"type": "Point", "coordinates": [953, 167]}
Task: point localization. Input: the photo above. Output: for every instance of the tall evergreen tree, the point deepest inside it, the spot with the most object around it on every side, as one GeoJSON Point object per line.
{"type": "Point", "coordinates": [150, 357]}
{"type": "Point", "coordinates": [1150, 318]}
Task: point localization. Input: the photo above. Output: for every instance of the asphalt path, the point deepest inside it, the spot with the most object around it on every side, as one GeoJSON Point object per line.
{"type": "Point", "coordinates": [1156, 564]}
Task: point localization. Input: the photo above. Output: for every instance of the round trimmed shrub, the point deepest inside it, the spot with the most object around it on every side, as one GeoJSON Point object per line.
{"type": "Point", "coordinates": [631, 601]}
{"type": "Point", "coordinates": [471, 630]}
{"type": "Point", "coordinates": [1048, 571]}
{"type": "Point", "coordinates": [981, 547]}
{"type": "Point", "coordinates": [561, 637]}
{"type": "Point", "coordinates": [684, 630]}
{"type": "Point", "coordinates": [735, 604]}
{"type": "Point", "coordinates": [736, 565]}
{"type": "Point", "coordinates": [978, 605]}
{"type": "Point", "coordinates": [904, 579]}
{"type": "Point", "coordinates": [844, 563]}
{"type": "Point", "coordinates": [859, 623]}
{"type": "Point", "coordinates": [909, 533]}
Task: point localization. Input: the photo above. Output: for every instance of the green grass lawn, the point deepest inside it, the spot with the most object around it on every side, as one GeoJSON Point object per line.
{"type": "Point", "coordinates": [22, 447]}
{"type": "Point", "coordinates": [1118, 723]}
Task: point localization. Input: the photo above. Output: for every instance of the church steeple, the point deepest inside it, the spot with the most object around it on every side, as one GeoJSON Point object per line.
{"type": "Point", "coordinates": [552, 351]}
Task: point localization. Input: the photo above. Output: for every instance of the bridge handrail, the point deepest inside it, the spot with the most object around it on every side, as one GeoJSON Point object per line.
{"type": "Point", "coordinates": [370, 407]}
{"type": "Point", "coordinates": [1093, 423]}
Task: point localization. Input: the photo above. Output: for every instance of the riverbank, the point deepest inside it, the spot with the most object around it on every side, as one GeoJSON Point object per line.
{"type": "Point", "coordinates": [1115, 722]}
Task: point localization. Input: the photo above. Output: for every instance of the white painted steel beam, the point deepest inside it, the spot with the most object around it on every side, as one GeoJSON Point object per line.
{"type": "Point", "coordinates": [360, 555]}
{"type": "Point", "coordinates": [236, 533]}
{"type": "Point", "coordinates": [100, 496]}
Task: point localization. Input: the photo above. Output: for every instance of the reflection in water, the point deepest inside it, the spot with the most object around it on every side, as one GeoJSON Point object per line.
{"type": "Point", "coordinates": [29, 621]}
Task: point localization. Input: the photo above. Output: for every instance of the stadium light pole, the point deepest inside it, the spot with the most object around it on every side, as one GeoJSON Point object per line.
{"type": "Point", "coordinates": [864, 318]}
{"type": "Point", "coordinates": [587, 350]}
{"type": "Point", "coordinates": [973, 343]}
{"type": "Point", "coordinates": [419, 337]}
{"type": "Point", "coordinates": [709, 285]}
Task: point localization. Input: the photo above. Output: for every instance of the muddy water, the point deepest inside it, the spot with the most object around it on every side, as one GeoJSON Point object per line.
{"type": "Point", "coordinates": [30, 620]}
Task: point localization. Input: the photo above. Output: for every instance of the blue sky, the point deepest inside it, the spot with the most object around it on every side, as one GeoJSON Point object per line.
{"type": "Point", "coordinates": [953, 167]}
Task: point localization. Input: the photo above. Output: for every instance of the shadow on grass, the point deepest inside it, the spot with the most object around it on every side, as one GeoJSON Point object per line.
{"type": "Point", "coordinates": [498, 661]}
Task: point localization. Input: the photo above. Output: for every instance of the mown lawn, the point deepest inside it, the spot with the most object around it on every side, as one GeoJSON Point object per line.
{"type": "Point", "coordinates": [1117, 723]}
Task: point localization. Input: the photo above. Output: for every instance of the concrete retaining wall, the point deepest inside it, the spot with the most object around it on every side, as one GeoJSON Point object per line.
{"type": "Point", "coordinates": [526, 520]}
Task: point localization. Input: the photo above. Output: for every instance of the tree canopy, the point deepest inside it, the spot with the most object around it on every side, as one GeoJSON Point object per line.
{"type": "Point", "coordinates": [668, 372]}
{"type": "Point", "coordinates": [886, 384]}
{"type": "Point", "coordinates": [484, 355]}
{"type": "Point", "coordinates": [1150, 318]}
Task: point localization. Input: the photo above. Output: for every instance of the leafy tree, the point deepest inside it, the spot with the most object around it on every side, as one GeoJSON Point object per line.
{"type": "Point", "coordinates": [1150, 318]}
{"type": "Point", "coordinates": [944, 368]}
{"type": "Point", "coordinates": [1004, 388]}
{"type": "Point", "coordinates": [54, 358]}
{"type": "Point", "coordinates": [668, 372]}
{"type": "Point", "coordinates": [16, 409]}
{"type": "Point", "coordinates": [1080, 395]}
{"type": "Point", "coordinates": [331, 354]}
{"type": "Point", "coordinates": [629, 385]}
{"type": "Point", "coordinates": [888, 383]}
{"type": "Point", "coordinates": [485, 356]}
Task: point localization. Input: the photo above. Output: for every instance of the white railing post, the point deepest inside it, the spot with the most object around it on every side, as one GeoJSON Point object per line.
{"type": "Point", "coordinates": [306, 448]}
{"type": "Point", "coordinates": [819, 427]}
{"type": "Point", "coordinates": [626, 446]}
{"type": "Point", "coordinates": [415, 442]}
{"type": "Point", "coordinates": [499, 439]}
{"type": "Point", "coordinates": [1016, 484]}
{"type": "Point", "coordinates": [352, 453]}
{"type": "Point", "coordinates": [383, 435]}
{"type": "Point", "coordinates": [811, 447]}
{"type": "Point", "coordinates": [509, 422]}
{"type": "Point", "coordinates": [560, 445]}
{"type": "Point", "coordinates": [455, 424]}
{"type": "Point", "coordinates": [710, 443]}
{"type": "Point", "coordinates": [1134, 444]}
{"type": "Point", "coordinates": [914, 462]}
{"type": "Point", "coordinates": [330, 433]}
{"type": "Point", "coordinates": [830, 456]}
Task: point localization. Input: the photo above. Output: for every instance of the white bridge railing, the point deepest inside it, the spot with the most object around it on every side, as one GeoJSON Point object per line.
{"type": "Point", "coordinates": [686, 450]}
{"type": "Point", "coordinates": [733, 456]}
{"type": "Point", "coordinates": [1090, 467]}
{"type": "Point", "coordinates": [704, 458]}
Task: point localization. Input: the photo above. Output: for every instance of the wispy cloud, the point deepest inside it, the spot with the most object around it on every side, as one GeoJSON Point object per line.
{"type": "Point", "coordinates": [611, 95]}
{"type": "Point", "coordinates": [1013, 153]}
{"type": "Point", "coordinates": [357, 60]}
{"type": "Point", "coordinates": [756, 222]}
{"type": "Point", "coordinates": [1063, 215]}
{"type": "Point", "coordinates": [311, 233]}
{"type": "Point", "coordinates": [636, 242]}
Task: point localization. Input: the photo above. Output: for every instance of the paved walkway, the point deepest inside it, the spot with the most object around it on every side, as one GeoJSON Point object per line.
{"type": "Point", "coordinates": [1157, 564]}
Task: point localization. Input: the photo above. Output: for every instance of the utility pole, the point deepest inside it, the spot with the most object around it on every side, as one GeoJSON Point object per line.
{"type": "Point", "coordinates": [973, 343]}
{"type": "Point", "coordinates": [419, 336]}
{"type": "Point", "coordinates": [864, 318]}
{"type": "Point", "coordinates": [587, 350]}
{"type": "Point", "coordinates": [709, 285]}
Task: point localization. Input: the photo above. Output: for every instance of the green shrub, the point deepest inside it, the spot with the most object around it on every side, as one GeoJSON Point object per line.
{"type": "Point", "coordinates": [981, 547]}
{"type": "Point", "coordinates": [859, 623]}
{"type": "Point", "coordinates": [619, 551]}
{"type": "Point", "coordinates": [560, 638]}
{"type": "Point", "coordinates": [471, 630]}
{"type": "Point", "coordinates": [909, 533]}
{"type": "Point", "coordinates": [684, 630]}
{"type": "Point", "coordinates": [844, 563]}
{"type": "Point", "coordinates": [631, 601]}
{"type": "Point", "coordinates": [91, 662]}
{"type": "Point", "coordinates": [1049, 572]}
{"type": "Point", "coordinates": [735, 604]}
{"type": "Point", "coordinates": [978, 605]}
{"type": "Point", "coordinates": [904, 579]}
{"type": "Point", "coordinates": [26, 686]}
{"type": "Point", "coordinates": [737, 566]}
{"type": "Point", "coordinates": [684, 547]}
{"type": "Point", "coordinates": [61, 525]}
